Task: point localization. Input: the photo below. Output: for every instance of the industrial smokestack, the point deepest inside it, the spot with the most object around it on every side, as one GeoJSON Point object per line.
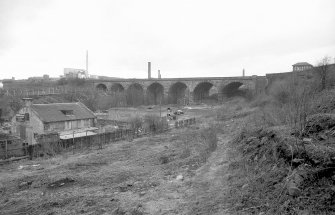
{"type": "Point", "coordinates": [86, 73]}
{"type": "Point", "coordinates": [159, 74]}
{"type": "Point", "coordinates": [243, 73]}
{"type": "Point", "coordinates": [149, 70]}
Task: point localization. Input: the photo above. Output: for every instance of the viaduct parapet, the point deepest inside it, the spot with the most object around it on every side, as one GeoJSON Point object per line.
{"type": "Point", "coordinates": [172, 90]}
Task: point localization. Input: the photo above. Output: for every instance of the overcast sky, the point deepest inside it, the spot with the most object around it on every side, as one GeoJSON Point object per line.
{"type": "Point", "coordinates": [182, 38]}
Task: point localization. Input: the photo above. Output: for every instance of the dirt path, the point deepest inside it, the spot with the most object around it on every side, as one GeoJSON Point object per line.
{"type": "Point", "coordinates": [209, 183]}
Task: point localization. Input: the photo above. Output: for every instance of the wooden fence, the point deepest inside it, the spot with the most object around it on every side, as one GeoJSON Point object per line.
{"type": "Point", "coordinates": [49, 145]}
{"type": "Point", "coordinates": [184, 123]}
{"type": "Point", "coordinates": [12, 147]}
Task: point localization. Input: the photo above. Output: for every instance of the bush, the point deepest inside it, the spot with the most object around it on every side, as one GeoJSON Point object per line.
{"type": "Point", "coordinates": [62, 81]}
{"type": "Point", "coordinates": [289, 102]}
{"type": "Point", "coordinates": [155, 123]}
{"type": "Point", "coordinates": [324, 102]}
{"type": "Point", "coordinates": [164, 159]}
{"type": "Point", "coordinates": [136, 124]}
{"type": "Point", "coordinates": [261, 100]}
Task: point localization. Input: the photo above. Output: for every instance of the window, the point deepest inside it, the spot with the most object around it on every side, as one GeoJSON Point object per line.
{"type": "Point", "coordinates": [67, 112]}
{"type": "Point", "coordinates": [74, 124]}
{"type": "Point", "coordinates": [68, 125]}
{"type": "Point", "coordinates": [20, 117]}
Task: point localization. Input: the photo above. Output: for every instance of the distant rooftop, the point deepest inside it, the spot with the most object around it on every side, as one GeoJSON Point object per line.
{"type": "Point", "coordinates": [302, 64]}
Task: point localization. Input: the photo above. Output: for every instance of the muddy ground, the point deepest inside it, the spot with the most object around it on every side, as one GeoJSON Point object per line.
{"type": "Point", "coordinates": [170, 173]}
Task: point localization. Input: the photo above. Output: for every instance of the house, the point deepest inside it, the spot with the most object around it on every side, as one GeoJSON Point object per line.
{"type": "Point", "coordinates": [301, 66]}
{"type": "Point", "coordinates": [68, 120]}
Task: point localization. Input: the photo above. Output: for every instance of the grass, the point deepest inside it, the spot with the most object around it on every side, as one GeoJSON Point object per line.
{"type": "Point", "coordinates": [240, 158]}
{"type": "Point", "coordinates": [272, 171]}
{"type": "Point", "coordinates": [122, 178]}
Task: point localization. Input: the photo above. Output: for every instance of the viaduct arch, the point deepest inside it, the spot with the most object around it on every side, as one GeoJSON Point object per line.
{"type": "Point", "coordinates": [179, 90]}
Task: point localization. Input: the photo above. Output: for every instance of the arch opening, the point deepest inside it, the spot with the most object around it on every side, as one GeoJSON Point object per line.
{"type": "Point", "coordinates": [135, 95]}
{"type": "Point", "coordinates": [177, 92]}
{"type": "Point", "coordinates": [204, 92]}
{"type": "Point", "coordinates": [117, 88]}
{"type": "Point", "coordinates": [118, 95]}
{"type": "Point", "coordinates": [233, 89]}
{"type": "Point", "coordinates": [101, 87]}
{"type": "Point", "coordinates": [155, 94]}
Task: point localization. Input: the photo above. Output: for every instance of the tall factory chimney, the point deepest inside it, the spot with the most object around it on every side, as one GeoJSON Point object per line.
{"type": "Point", "coordinates": [243, 73]}
{"type": "Point", "coordinates": [86, 73]}
{"type": "Point", "coordinates": [149, 70]}
{"type": "Point", "coordinates": [159, 74]}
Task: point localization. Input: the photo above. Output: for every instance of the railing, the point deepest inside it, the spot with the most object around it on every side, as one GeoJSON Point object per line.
{"type": "Point", "coordinates": [41, 91]}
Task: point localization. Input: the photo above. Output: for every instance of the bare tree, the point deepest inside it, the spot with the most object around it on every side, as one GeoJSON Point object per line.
{"type": "Point", "coordinates": [322, 68]}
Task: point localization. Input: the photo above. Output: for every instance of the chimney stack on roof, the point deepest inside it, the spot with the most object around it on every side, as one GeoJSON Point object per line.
{"type": "Point", "coordinates": [27, 102]}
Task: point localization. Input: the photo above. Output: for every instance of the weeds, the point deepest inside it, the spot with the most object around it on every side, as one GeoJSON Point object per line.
{"type": "Point", "coordinates": [277, 172]}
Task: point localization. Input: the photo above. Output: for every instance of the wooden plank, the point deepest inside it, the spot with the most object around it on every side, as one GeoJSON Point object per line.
{"type": "Point", "coordinates": [13, 159]}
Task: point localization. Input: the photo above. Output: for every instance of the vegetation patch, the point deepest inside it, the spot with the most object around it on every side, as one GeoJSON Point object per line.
{"type": "Point", "coordinates": [283, 160]}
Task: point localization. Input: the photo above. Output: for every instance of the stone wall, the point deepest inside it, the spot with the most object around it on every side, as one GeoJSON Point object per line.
{"type": "Point", "coordinates": [311, 75]}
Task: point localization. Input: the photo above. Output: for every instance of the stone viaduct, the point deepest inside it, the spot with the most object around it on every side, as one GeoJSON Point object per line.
{"type": "Point", "coordinates": [174, 90]}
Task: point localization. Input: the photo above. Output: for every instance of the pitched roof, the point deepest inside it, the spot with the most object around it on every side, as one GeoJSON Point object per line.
{"type": "Point", "coordinates": [53, 112]}
{"type": "Point", "coordinates": [302, 64]}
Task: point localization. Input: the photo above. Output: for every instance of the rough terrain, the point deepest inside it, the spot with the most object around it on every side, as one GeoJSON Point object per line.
{"type": "Point", "coordinates": [172, 173]}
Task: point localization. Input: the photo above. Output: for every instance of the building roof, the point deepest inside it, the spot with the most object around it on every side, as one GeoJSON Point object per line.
{"type": "Point", "coordinates": [53, 112]}
{"type": "Point", "coordinates": [302, 64]}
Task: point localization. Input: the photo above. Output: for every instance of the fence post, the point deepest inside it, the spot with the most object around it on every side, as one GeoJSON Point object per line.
{"type": "Point", "coordinates": [81, 143]}
{"type": "Point", "coordinates": [6, 149]}
{"type": "Point", "coordinates": [86, 140]}
{"type": "Point", "coordinates": [73, 142]}
{"type": "Point", "coordinates": [100, 143]}
{"type": "Point", "coordinates": [181, 124]}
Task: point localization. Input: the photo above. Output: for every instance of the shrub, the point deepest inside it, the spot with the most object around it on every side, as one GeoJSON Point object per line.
{"type": "Point", "coordinates": [136, 123]}
{"type": "Point", "coordinates": [155, 123]}
{"type": "Point", "coordinates": [62, 81]}
{"type": "Point", "coordinates": [164, 159]}
{"type": "Point", "coordinates": [324, 102]}
{"type": "Point", "coordinates": [290, 103]}
{"type": "Point", "coordinates": [209, 135]}
{"type": "Point", "coordinates": [280, 91]}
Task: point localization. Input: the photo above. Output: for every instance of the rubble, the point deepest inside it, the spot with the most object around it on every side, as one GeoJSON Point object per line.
{"type": "Point", "coordinates": [180, 177]}
{"type": "Point", "coordinates": [60, 183]}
